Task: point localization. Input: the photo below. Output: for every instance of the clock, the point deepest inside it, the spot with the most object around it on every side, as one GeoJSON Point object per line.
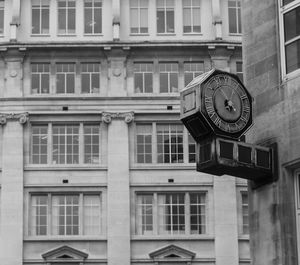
{"type": "Point", "coordinates": [216, 103]}
{"type": "Point", "coordinates": [226, 103]}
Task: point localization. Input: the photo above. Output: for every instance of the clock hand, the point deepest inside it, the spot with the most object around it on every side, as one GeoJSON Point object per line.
{"type": "Point", "coordinates": [224, 94]}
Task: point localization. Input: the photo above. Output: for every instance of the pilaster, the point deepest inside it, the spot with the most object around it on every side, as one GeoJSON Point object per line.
{"type": "Point", "coordinates": [11, 223]}
{"type": "Point", "coordinates": [217, 21]}
{"type": "Point", "coordinates": [118, 188]}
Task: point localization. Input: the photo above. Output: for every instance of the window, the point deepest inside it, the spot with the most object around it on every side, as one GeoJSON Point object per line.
{"type": "Point", "coordinates": [163, 143]}
{"type": "Point", "coordinates": [139, 16]}
{"type": "Point", "coordinates": [65, 78]}
{"type": "Point", "coordinates": [297, 204]}
{"type": "Point", "coordinates": [291, 22]}
{"type": "Point", "coordinates": [234, 16]}
{"type": "Point", "coordinates": [165, 16]}
{"type": "Point", "coordinates": [176, 213]}
{"type": "Point", "coordinates": [1, 17]}
{"type": "Point", "coordinates": [168, 77]}
{"type": "Point", "coordinates": [90, 78]}
{"type": "Point", "coordinates": [66, 143]}
{"type": "Point", "coordinates": [191, 70]}
{"type": "Point", "coordinates": [245, 213]}
{"type": "Point", "coordinates": [239, 70]}
{"type": "Point", "coordinates": [93, 16]}
{"type": "Point", "coordinates": [40, 78]}
{"type": "Point", "coordinates": [143, 77]}
{"type": "Point", "coordinates": [66, 16]}
{"type": "Point", "coordinates": [65, 214]}
{"type": "Point", "coordinates": [39, 144]}
{"type": "Point", "coordinates": [40, 16]}
{"type": "Point", "coordinates": [191, 16]}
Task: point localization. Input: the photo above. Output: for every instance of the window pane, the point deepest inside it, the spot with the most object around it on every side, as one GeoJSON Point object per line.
{"type": "Point", "coordinates": [292, 56]}
{"type": "Point", "coordinates": [160, 21]}
{"type": "Point", "coordinates": [35, 21]}
{"type": "Point", "coordinates": [144, 143]}
{"type": "Point", "coordinates": [292, 24]}
{"type": "Point", "coordinates": [39, 213]}
{"type": "Point", "coordinates": [98, 21]}
{"type": "Point", "coordinates": [91, 144]}
{"type": "Point", "coordinates": [45, 21]}
{"type": "Point", "coordinates": [170, 21]}
{"type": "Point", "coordinates": [88, 27]}
{"type": "Point", "coordinates": [71, 21]}
{"type": "Point", "coordinates": [164, 83]}
{"type": "Point", "coordinates": [232, 21]}
{"type": "Point", "coordinates": [92, 215]}
{"type": "Point", "coordinates": [62, 21]}
{"type": "Point", "coordinates": [144, 214]}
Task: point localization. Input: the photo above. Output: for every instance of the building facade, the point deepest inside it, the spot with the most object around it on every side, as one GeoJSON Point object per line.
{"type": "Point", "coordinates": [271, 47]}
{"type": "Point", "coordinates": [96, 167]}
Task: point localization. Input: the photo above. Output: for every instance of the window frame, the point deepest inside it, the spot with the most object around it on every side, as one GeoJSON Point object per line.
{"type": "Point", "coordinates": [191, 8]}
{"type": "Point", "coordinates": [143, 73]}
{"type": "Point", "coordinates": [165, 9]}
{"type": "Point", "coordinates": [238, 16]}
{"type": "Point", "coordinates": [66, 29]}
{"type": "Point", "coordinates": [2, 10]}
{"type": "Point", "coordinates": [282, 10]}
{"type": "Point", "coordinates": [40, 89]}
{"type": "Point", "coordinates": [197, 63]}
{"type": "Point", "coordinates": [93, 14]}
{"type": "Point", "coordinates": [139, 11]}
{"type": "Point", "coordinates": [297, 207]}
{"type": "Point", "coordinates": [90, 74]}
{"type": "Point", "coordinates": [169, 76]}
{"type": "Point", "coordinates": [65, 79]}
{"type": "Point", "coordinates": [41, 8]}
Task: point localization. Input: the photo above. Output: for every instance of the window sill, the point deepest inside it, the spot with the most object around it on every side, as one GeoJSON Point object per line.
{"type": "Point", "coordinates": [40, 35]}
{"type": "Point", "coordinates": [192, 34]}
{"type": "Point", "coordinates": [235, 34]}
{"type": "Point", "coordinates": [55, 167]}
{"type": "Point", "coordinates": [292, 75]}
{"type": "Point", "coordinates": [181, 166]}
{"type": "Point", "coordinates": [64, 238]}
{"type": "Point", "coordinates": [66, 35]}
{"type": "Point", "coordinates": [172, 237]}
{"type": "Point", "coordinates": [243, 238]}
{"type": "Point", "coordinates": [139, 34]}
{"type": "Point", "coordinates": [93, 35]}
{"type": "Point", "coordinates": [166, 34]}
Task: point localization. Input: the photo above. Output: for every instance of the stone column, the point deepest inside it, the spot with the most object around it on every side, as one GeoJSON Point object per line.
{"type": "Point", "coordinates": [118, 188]}
{"type": "Point", "coordinates": [11, 223]}
{"type": "Point", "coordinates": [226, 227]}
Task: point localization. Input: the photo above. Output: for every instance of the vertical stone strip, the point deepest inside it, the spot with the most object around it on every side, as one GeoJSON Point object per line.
{"type": "Point", "coordinates": [226, 227]}
{"type": "Point", "coordinates": [217, 21]}
{"type": "Point", "coordinates": [11, 223]}
{"type": "Point", "coordinates": [118, 189]}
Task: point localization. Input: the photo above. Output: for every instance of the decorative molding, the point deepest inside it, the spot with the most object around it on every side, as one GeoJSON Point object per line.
{"type": "Point", "coordinates": [22, 117]}
{"type": "Point", "coordinates": [108, 116]}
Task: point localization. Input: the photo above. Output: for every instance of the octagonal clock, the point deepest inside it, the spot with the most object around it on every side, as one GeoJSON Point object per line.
{"type": "Point", "coordinates": [216, 103]}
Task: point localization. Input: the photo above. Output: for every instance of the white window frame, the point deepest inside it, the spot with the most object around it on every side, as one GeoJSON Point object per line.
{"type": "Point", "coordinates": [165, 9]}
{"type": "Point", "coordinates": [169, 73]}
{"type": "Point", "coordinates": [81, 214]}
{"type": "Point", "coordinates": [2, 9]}
{"type": "Point", "coordinates": [282, 10]}
{"type": "Point", "coordinates": [92, 90]}
{"type": "Point", "coordinates": [143, 73]}
{"type": "Point", "coordinates": [297, 208]}
{"type": "Point", "coordinates": [65, 73]}
{"type": "Point", "coordinates": [93, 14]}
{"type": "Point", "coordinates": [194, 73]}
{"type": "Point", "coordinates": [139, 9]}
{"type": "Point", "coordinates": [191, 8]}
{"type": "Point", "coordinates": [66, 29]}
{"type": "Point", "coordinates": [41, 7]}
{"type": "Point", "coordinates": [40, 89]}
{"type": "Point", "coordinates": [237, 9]}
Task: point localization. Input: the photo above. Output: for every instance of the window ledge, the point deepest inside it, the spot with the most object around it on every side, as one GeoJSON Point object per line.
{"type": "Point", "coordinates": [166, 34]}
{"type": "Point", "coordinates": [64, 167]}
{"type": "Point", "coordinates": [292, 75]}
{"type": "Point", "coordinates": [93, 35]}
{"type": "Point", "coordinates": [192, 34]}
{"type": "Point", "coordinates": [66, 35]}
{"type": "Point", "coordinates": [64, 238]}
{"type": "Point", "coordinates": [182, 166]}
{"type": "Point", "coordinates": [243, 238]}
{"type": "Point", "coordinates": [235, 34]}
{"type": "Point", "coordinates": [40, 35]}
{"type": "Point", "coordinates": [139, 34]}
{"type": "Point", "coordinates": [172, 237]}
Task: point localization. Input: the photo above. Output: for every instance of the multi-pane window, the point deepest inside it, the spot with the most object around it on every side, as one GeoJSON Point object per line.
{"type": "Point", "coordinates": [144, 143]}
{"type": "Point", "coordinates": [65, 214]}
{"type": "Point", "coordinates": [1, 17]}
{"type": "Point", "coordinates": [90, 78]}
{"type": "Point", "coordinates": [92, 16]}
{"type": "Point", "coordinates": [245, 213]}
{"type": "Point", "coordinates": [66, 16]}
{"type": "Point", "coordinates": [169, 143]}
{"type": "Point", "coordinates": [291, 20]}
{"type": "Point", "coordinates": [285, 2]}
{"type": "Point", "coordinates": [163, 143]}
{"type": "Point", "coordinates": [39, 144]}
{"type": "Point", "coordinates": [40, 78]}
{"type": "Point", "coordinates": [143, 77]}
{"type": "Point", "coordinates": [239, 70]}
{"type": "Point", "coordinates": [40, 16]}
{"type": "Point", "coordinates": [168, 77]}
{"type": "Point", "coordinates": [91, 144]}
{"type": "Point", "coordinates": [65, 78]}
{"type": "Point", "coordinates": [191, 70]}
{"type": "Point", "coordinates": [65, 140]}
{"type": "Point", "coordinates": [171, 213]}
{"type": "Point", "coordinates": [165, 16]}
{"type": "Point", "coordinates": [191, 16]}
{"type": "Point", "coordinates": [138, 16]}
{"type": "Point", "coordinates": [234, 16]}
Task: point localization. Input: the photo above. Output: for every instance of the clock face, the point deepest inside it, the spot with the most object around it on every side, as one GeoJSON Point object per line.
{"type": "Point", "coordinates": [226, 103]}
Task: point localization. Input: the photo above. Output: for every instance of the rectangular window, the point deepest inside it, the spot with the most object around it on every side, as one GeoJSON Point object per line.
{"type": "Point", "coordinates": [192, 149]}
{"type": "Point", "coordinates": [165, 16]}
{"type": "Point", "coordinates": [144, 143]}
{"type": "Point", "coordinates": [169, 143]}
{"type": "Point", "coordinates": [245, 213]}
{"type": "Point", "coordinates": [90, 78]}
{"type": "Point", "coordinates": [92, 16]}
{"type": "Point", "coordinates": [39, 144]}
{"type": "Point", "coordinates": [291, 20]}
{"type": "Point", "coordinates": [139, 16]}
{"type": "Point", "coordinates": [168, 77]}
{"type": "Point", "coordinates": [239, 70]}
{"type": "Point", "coordinates": [191, 70]}
{"type": "Point", "coordinates": [143, 77]}
{"type": "Point", "coordinates": [91, 144]}
{"type": "Point", "coordinates": [65, 214]}
{"type": "Point", "coordinates": [65, 139]}
{"type": "Point", "coordinates": [66, 16]}
{"type": "Point", "coordinates": [1, 17]}
{"type": "Point", "coordinates": [177, 213]}
{"type": "Point", "coordinates": [40, 78]}
{"type": "Point", "coordinates": [65, 78]}
{"type": "Point", "coordinates": [40, 16]}
{"type": "Point", "coordinates": [234, 16]}
{"type": "Point", "coordinates": [191, 16]}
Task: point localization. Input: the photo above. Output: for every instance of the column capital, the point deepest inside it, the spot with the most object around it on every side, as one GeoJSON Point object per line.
{"type": "Point", "coordinates": [108, 116]}
{"type": "Point", "coordinates": [22, 117]}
